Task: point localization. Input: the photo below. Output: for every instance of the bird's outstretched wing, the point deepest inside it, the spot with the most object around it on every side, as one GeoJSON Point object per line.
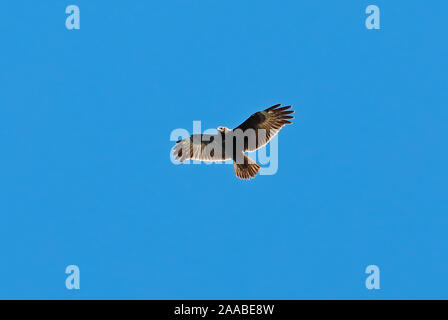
{"type": "Point", "coordinates": [203, 147]}
{"type": "Point", "coordinates": [266, 124]}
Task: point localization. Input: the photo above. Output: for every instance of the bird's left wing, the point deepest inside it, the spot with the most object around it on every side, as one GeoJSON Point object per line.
{"type": "Point", "coordinates": [266, 124]}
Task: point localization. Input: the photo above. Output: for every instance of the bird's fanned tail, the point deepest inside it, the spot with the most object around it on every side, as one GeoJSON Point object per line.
{"type": "Point", "coordinates": [247, 169]}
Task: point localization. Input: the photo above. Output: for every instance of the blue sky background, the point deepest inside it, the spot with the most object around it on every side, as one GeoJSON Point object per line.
{"type": "Point", "coordinates": [86, 176]}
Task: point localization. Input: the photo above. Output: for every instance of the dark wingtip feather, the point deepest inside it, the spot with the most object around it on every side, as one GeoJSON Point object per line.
{"type": "Point", "coordinates": [273, 107]}
{"type": "Point", "coordinates": [283, 108]}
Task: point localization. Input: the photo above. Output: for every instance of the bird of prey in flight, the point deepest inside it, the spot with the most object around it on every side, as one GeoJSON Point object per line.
{"type": "Point", "coordinates": [228, 144]}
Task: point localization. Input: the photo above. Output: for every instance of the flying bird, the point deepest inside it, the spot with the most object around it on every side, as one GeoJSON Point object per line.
{"type": "Point", "coordinates": [227, 144]}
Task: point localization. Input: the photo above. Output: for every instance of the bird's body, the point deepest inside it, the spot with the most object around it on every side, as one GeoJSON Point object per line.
{"type": "Point", "coordinates": [228, 144]}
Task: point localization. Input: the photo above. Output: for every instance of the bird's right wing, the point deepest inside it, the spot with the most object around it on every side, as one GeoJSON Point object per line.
{"type": "Point", "coordinates": [203, 147]}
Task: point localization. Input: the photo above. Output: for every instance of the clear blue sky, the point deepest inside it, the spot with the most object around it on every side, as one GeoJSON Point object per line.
{"type": "Point", "coordinates": [86, 176]}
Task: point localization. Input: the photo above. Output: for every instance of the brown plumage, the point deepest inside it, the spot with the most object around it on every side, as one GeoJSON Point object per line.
{"type": "Point", "coordinates": [270, 120]}
{"type": "Point", "coordinates": [251, 135]}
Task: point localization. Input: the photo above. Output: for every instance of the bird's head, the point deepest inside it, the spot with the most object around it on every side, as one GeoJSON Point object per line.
{"type": "Point", "coordinates": [223, 129]}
